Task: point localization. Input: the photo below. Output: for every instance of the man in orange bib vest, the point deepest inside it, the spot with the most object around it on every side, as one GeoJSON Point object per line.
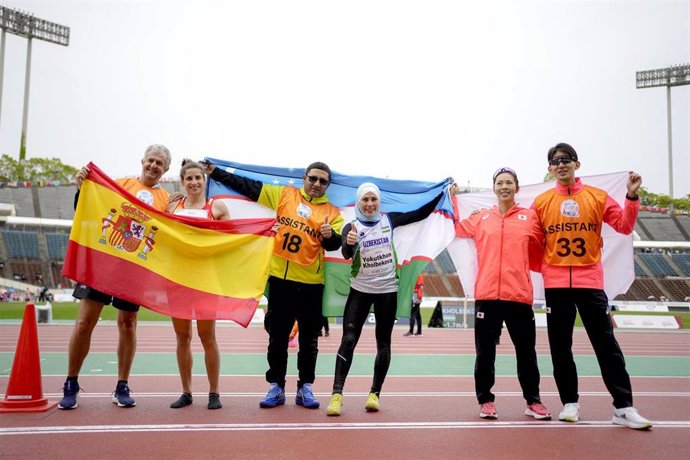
{"type": "Point", "coordinates": [308, 225]}
{"type": "Point", "coordinates": [145, 188]}
{"type": "Point", "coordinates": [572, 215]}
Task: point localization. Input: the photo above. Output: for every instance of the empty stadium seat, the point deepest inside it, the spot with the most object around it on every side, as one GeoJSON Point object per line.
{"type": "Point", "coordinates": [57, 245]}
{"type": "Point", "coordinates": [657, 264]}
{"type": "Point", "coordinates": [677, 289]}
{"type": "Point", "coordinates": [683, 262]}
{"type": "Point", "coordinates": [21, 244]}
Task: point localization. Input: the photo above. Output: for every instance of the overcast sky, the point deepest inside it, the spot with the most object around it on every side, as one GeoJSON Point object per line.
{"type": "Point", "coordinates": [406, 89]}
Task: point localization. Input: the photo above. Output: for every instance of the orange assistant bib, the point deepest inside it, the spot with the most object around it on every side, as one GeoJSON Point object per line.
{"type": "Point", "coordinates": [153, 196]}
{"type": "Point", "coordinates": [572, 226]}
{"type": "Point", "coordinates": [299, 238]}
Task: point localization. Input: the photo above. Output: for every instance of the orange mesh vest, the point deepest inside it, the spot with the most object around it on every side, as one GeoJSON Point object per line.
{"type": "Point", "coordinates": [155, 196]}
{"type": "Point", "coordinates": [299, 238]}
{"type": "Point", "coordinates": [572, 226]}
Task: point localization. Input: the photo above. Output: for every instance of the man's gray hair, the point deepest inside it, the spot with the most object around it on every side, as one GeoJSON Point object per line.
{"type": "Point", "coordinates": [160, 149]}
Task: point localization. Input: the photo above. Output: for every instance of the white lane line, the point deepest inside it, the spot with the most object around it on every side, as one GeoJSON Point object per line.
{"type": "Point", "coordinates": [368, 376]}
{"type": "Point", "coordinates": [387, 395]}
{"type": "Point", "coordinates": [27, 430]}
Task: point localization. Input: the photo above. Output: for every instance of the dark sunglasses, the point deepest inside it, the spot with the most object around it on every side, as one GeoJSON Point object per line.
{"type": "Point", "coordinates": [560, 160]}
{"type": "Point", "coordinates": [321, 180]}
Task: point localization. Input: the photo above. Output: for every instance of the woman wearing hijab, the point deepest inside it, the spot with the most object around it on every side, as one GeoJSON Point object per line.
{"type": "Point", "coordinates": [369, 243]}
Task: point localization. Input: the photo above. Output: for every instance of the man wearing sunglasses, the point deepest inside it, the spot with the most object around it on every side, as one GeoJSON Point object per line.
{"type": "Point", "coordinates": [307, 226]}
{"type": "Point", "coordinates": [572, 215]}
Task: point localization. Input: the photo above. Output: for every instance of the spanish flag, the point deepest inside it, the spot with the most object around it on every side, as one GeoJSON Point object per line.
{"type": "Point", "coordinates": [178, 266]}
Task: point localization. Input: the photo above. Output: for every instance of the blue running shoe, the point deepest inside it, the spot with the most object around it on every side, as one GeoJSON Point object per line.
{"type": "Point", "coordinates": [70, 394]}
{"type": "Point", "coordinates": [305, 397]}
{"type": "Point", "coordinates": [121, 395]}
{"type": "Point", "coordinates": [274, 397]}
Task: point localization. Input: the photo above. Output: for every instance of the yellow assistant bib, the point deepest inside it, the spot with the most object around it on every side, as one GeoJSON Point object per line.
{"type": "Point", "coordinates": [299, 237]}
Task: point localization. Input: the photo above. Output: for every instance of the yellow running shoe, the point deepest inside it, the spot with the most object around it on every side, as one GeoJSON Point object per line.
{"type": "Point", "coordinates": [372, 403]}
{"type": "Point", "coordinates": [336, 404]}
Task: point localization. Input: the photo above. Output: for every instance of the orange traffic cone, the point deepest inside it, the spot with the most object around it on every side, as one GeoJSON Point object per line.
{"type": "Point", "coordinates": [25, 391]}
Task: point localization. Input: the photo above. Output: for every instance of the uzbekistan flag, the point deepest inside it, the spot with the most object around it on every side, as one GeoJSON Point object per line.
{"type": "Point", "coordinates": [416, 244]}
{"type": "Point", "coordinates": [617, 256]}
{"type": "Point", "coordinates": [178, 266]}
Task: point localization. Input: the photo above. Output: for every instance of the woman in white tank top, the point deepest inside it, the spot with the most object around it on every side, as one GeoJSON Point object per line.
{"type": "Point", "coordinates": [195, 205]}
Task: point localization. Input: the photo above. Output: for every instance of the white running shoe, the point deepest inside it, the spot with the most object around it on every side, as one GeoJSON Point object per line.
{"type": "Point", "coordinates": [629, 417]}
{"type": "Point", "coordinates": [570, 413]}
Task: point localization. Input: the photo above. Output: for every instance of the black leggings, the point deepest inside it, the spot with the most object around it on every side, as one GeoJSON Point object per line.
{"type": "Point", "coordinates": [356, 312]}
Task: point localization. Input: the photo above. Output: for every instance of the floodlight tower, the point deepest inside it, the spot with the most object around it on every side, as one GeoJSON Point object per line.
{"type": "Point", "coordinates": [26, 25]}
{"type": "Point", "coordinates": [678, 75]}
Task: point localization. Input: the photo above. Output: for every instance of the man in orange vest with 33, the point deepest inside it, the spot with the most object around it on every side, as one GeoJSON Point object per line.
{"type": "Point", "coordinates": [572, 215]}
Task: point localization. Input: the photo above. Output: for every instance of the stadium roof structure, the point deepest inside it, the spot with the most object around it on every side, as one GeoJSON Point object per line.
{"type": "Point", "coordinates": [36, 221]}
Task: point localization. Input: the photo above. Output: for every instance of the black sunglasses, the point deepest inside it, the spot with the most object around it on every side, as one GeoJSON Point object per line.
{"type": "Point", "coordinates": [321, 180]}
{"type": "Point", "coordinates": [560, 160]}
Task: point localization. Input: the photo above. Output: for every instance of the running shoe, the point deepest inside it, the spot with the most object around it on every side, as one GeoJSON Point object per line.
{"type": "Point", "coordinates": [214, 401]}
{"type": "Point", "coordinates": [488, 410]}
{"type": "Point", "coordinates": [121, 395]}
{"type": "Point", "coordinates": [372, 404]}
{"type": "Point", "coordinates": [184, 400]}
{"type": "Point", "coordinates": [570, 413]}
{"type": "Point", "coordinates": [274, 397]}
{"type": "Point", "coordinates": [629, 417]}
{"type": "Point", "coordinates": [336, 405]}
{"type": "Point", "coordinates": [70, 394]}
{"type": "Point", "coordinates": [305, 397]}
{"type": "Point", "coordinates": [538, 411]}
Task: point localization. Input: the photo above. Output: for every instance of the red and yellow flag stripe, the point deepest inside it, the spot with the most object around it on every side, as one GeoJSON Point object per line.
{"type": "Point", "coordinates": [178, 266]}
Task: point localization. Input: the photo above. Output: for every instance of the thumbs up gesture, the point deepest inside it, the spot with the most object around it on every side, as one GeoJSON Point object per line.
{"type": "Point", "coordinates": [352, 236]}
{"type": "Point", "coordinates": [326, 230]}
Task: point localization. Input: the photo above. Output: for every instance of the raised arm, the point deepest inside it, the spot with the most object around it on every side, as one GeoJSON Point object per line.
{"type": "Point", "coordinates": [248, 187]}
{"type": "Point", "coordinates": [405, 218]}
{"type": "Point", "coordinates": [623, 219]}
{"type": "Point", "coordinates": [465, 228]}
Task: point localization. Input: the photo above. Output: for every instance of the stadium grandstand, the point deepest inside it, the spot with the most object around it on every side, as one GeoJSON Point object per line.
{"type": "Point", "coordinates": [35, 224]}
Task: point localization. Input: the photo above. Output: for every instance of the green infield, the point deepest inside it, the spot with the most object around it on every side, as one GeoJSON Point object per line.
{"type": "Point", "coordinates": [99, 363]}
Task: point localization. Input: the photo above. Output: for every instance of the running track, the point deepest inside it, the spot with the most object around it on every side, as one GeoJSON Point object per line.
{"type": "Point", "coordinates": [428, 404]}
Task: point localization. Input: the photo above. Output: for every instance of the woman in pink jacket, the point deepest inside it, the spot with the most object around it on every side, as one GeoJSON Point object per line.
{"type": "Point", "coordinates": [507, 238]}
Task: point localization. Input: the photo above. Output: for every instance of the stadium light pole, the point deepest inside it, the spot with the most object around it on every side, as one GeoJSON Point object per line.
{"type": "Point", "coordinates": [26, 25]}
{"type": "Point", "coordinates": [678, 75]}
